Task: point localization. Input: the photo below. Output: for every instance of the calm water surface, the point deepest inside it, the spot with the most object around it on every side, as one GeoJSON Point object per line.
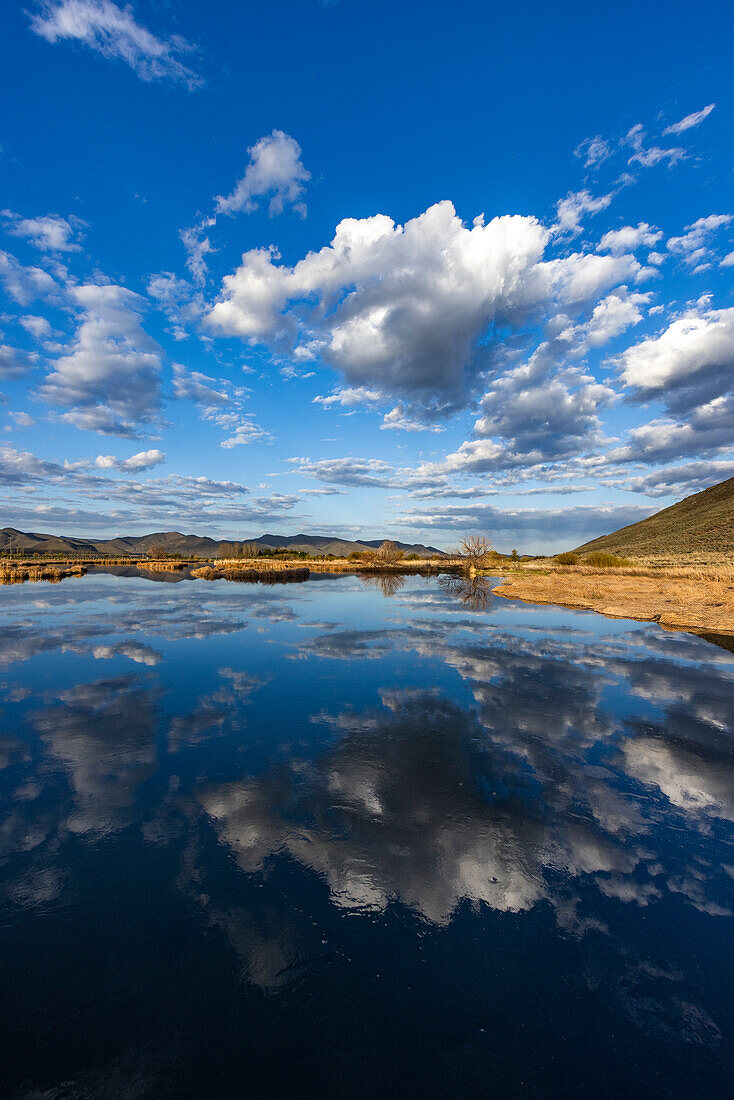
{"type": "Point", "coordinates": [348, 839]}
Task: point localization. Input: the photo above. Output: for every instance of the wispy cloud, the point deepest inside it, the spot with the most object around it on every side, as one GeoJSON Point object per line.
{"type": "Point", "coordinates": [690, 121]}
{"type": "Point", "coordinates": [114, 33]}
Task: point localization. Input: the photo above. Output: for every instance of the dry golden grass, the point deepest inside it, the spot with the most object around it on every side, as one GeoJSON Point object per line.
{"type": "Point", "coordinates": [696, 597]}
{"type": "Point", "coordinates": [722, 570]}
{"type": "Point", "coordinates": [161, 566]}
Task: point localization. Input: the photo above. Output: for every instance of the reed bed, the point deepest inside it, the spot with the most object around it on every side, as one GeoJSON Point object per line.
{"type": "Point", "coordinates": [19, 573]}
{"type": "Point", "coordinates": [281, 575]}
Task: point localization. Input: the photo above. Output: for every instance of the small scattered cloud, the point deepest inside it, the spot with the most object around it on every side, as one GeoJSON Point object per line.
{"type": "Point", "coordinates": [350, 397]}
{"type": "Point", "coordinates": [366, 473]}
{"type": "Point", "coordinates": [629, 238]}
{"type": "Point", "coordinates": [198, 387]}
{"type": "Point", "coordinates": [49, 233]}
{"type": "Point", "coordinates": [38, 327]}
{"type": "Point", "coordinates": [647, 156]}
{"type": "Point", "coordinates": [571, 210]}
{"type": "Point", "coordinates": [613, 316]}
{"type": "Point", "coordinates": [181, 302]}
{"type": "Point", "coordinates": [275, 170]}
{"type": "Point", "coordinates": [143, 460]}
{"type": "Point", "coordinates": [398, 420]}
{"type": "Point", "coordinates": [593, 151]}
{"type": "Point", "coordinates": [692, 246]}
{"type": "Point", "coordinates": [246, 431]}
{"type": "Point", "coordinates": [22, 419]}
{"type": "Point", "coordinates": [197, 246]}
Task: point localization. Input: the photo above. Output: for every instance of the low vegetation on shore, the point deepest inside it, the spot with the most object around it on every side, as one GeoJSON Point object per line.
{"type": "Point", "coordinates": [18, 572]}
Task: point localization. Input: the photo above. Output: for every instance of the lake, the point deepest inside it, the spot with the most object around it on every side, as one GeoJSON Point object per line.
{"type": "Point", "coordinates": [357, 837]}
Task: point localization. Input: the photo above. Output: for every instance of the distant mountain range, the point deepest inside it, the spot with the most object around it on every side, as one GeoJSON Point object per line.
{"type": "Point", "coordinates": [699, 524]}
{"type": "Point", "coordinates": [174, 542]}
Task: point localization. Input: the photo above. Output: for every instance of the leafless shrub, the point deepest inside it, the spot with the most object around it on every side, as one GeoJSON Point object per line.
{"type": "Point", "coordinates": [475, 550]}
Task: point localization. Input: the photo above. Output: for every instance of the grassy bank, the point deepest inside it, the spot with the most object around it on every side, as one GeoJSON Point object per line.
{"type": "Point", "coordinates": [678, 594]}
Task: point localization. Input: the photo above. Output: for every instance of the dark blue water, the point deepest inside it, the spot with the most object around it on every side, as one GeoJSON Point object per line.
{"type": "Point", "coordinates": [348, 839]}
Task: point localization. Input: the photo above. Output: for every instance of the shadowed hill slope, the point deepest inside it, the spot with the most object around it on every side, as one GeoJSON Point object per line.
{"type": "Point", "coordinates": [699, 524]}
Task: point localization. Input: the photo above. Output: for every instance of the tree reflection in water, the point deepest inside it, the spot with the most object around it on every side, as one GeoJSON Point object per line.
{"type": "Point", "coordinates": [388, 583]}
{"type": "Point", "coordinates": [475, 593]}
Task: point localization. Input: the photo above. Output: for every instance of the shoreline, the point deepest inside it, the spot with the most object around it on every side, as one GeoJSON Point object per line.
{"type": "Point", "coordinates": [698, 599]}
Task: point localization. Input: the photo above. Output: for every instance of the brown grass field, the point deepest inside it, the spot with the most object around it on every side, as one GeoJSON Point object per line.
{"type": "Point", "coordinates": [678, 594]}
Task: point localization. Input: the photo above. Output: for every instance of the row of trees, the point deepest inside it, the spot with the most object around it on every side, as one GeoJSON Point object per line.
{"type": "Point", "coordinates": [474, 550]}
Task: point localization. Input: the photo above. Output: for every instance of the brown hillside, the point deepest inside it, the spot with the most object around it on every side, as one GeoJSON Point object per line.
{"type": "Point", "coordinates": [700, 524]}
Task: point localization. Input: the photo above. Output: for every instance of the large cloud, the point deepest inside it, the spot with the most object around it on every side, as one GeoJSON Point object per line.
{"type": "Point", "coordinates": [396, 308]}
{"type": "Point", "coordinates": [411, 311]}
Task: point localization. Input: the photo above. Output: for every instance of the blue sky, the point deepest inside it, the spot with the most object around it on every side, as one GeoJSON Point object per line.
{"type": "Point", "coordinates": [364, 268]}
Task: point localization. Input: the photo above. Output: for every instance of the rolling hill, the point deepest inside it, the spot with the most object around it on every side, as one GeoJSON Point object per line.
{"type": "Point", "coordinates": [699, 524]}
{"type": "Point", "coordinates": [174, 542]}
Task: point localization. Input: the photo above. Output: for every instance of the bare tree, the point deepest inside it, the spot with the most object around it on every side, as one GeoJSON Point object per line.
{"type": "Point", "coordinates": [388, 554]}
{"type": "Point", "coordinates": [475, 550]}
